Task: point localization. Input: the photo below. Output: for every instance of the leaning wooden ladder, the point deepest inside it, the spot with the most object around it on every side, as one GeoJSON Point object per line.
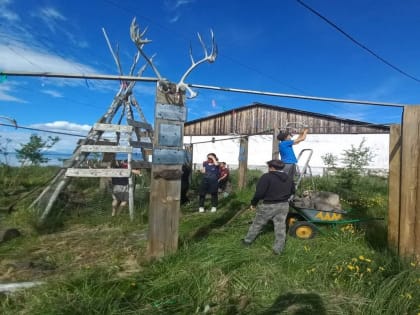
{"type": "Point", "coordinates": [114, 149]}
{"type": "Point", "coordinates": [94, 144]}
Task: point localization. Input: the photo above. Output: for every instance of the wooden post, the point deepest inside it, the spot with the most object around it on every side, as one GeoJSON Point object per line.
{"type": "Point", "coordinates": [394, 186]}
{"type": "Point", "coordinates": [243, 162]}
{"type": "Point", "coordinates": [410, 189]}
{"type": "Point", "coordinates": [168, 157]}
{"type": "Point", "coordinates": [275, 151]}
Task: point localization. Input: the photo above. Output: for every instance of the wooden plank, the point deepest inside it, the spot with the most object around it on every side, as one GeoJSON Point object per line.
{"type": "Point", "coordinates": [112, 128]}
{"type": "Point", "coordinates": [394, 187]}
{"type": "Point", "coordinates": [141, 144]}
{"type": "Point", "coordinates": [409, 244]}
{"type": "Point", "coordinates": [99, 142]}
{"type": "Point", "coordinates": [243, 162]}
{"type": "Point", "coordinates": [141, 164]}
{"type": "Point", "coordinates": [98, 172]}
{"type": "Point", "coordinates": [106, 148]}
{"type": "Point", "coordinates": [139, 124]}
{"type": "Point", "coordinates": [165, 194]}
{"type": "Point", "coordinates": [163, 213]}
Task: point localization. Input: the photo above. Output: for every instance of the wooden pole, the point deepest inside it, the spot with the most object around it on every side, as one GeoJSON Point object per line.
{"type": "Point", "coordinates": [275, 151]}
{"type": "Point", "coordinates": [243, 162]}
{"type": "Point", "coordinates": [394, 186]}
{"type": "Point", "coordinates": [410, 189]}
{"type": "Point", "coordinates": [168, 157]}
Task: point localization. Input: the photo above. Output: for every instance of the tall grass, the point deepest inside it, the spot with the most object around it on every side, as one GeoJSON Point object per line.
{"type": "Point", "coordinates": [344, 270]}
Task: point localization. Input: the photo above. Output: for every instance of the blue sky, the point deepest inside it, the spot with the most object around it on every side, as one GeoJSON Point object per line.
{"type": "Point", "coordinates": [274, 46]}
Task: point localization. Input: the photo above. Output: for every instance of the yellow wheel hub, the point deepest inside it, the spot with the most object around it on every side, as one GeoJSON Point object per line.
{"type": "Point", "coordinates": [304, 232]}
{"type": "Point", "coordinates": [292, 221]}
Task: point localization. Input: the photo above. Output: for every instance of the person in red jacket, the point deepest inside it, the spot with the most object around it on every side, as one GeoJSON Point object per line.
{"type": "Point", "coordinates": [224, 176]}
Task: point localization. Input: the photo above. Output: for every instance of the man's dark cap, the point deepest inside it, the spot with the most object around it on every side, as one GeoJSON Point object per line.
{"type": "Point", "coordinates": [277, 164]}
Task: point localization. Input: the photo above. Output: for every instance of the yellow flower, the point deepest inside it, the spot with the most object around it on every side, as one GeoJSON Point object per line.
{"type": "Point", "coordinates": [381, 268]}
{"type": "Point", "coordinates": [350, 267]}
{"type": "Point", "coordinates": [408, 296]}
{"type": "Point", "coordinates": [368, 260]}
{"type": "Point", "coordinates": [361, 257]}
{"type": "Point", "coordinates": [354, 259]}
{"type": "Point", "coordinates": [413, 264]}
{"type": "Point", "coordinates": [368, 270]}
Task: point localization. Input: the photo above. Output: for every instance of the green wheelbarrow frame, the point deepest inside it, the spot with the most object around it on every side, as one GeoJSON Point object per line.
{"type": "Point", "coordinates": [301, 222]}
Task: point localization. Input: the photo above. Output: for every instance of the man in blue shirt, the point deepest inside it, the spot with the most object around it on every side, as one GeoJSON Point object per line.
{"type": "Point", "coordinates": [287, 155]}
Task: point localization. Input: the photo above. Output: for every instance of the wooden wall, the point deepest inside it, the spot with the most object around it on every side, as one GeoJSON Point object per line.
{"type": "Point", "coordinates": [261, 119]}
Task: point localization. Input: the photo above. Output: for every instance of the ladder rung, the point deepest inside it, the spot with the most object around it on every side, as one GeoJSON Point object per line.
{"type": "Point", "coordinates": [98, 172]}
{"type": "Point", "coordinates": [106, 148]}
{"type": "Point", "coordinates": [112, 127]}
{"type": "Point", "coordinates": [93, 142]}
{"type": "Point", "coordinates": [139, 124]}
{"type": "Point", "coordinates": [142, 144]}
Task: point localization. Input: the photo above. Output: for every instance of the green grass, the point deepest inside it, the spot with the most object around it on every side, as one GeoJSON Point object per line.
{"type": "Point", "coordinates": [344, 270]}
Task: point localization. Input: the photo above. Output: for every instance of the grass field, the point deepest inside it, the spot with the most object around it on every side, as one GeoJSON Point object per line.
{"type": "Point", "coordinates": [91, 263]}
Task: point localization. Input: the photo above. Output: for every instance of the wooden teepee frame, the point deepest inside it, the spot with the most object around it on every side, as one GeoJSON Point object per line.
{"type": "Point", "coordinates": [125, 103]}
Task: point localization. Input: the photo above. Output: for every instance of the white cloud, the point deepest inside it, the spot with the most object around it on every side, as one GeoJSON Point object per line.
{"type": "Point", "coordinates": [6, 96]}
{"type": "Point", "coordinates": [52, 93]}
{"type": "Point", "coordinates": [19, 57]}
{"type": "Point", "coordinates": [183, 2]}
{"type": "Point", "coordinates": [51, 17]}
{"type": "Point", "coordinates": [6, 13]}
{"type": "Point", "coordinates": [52, 13]}
{"type": "Point", "coordinates": [384, 91]}
{"type": "Point", "coordinates": [174, 7]}
{"type": "Point", "coordinates": [174, 19]}
{"type": "Point", "coordinates": [63, 126]}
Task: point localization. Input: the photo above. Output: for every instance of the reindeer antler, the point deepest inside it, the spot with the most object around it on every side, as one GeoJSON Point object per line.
{"type": "Point", "coordinates": [140, 41]}
{"type": "Point", "coordinates": [207, 57]}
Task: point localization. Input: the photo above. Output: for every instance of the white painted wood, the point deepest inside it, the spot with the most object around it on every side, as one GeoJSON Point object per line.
{"type": "Point", "coordinates": [106, 148]}
{"type": "Point", "coordinates": [139, 124]}
{"type": "Point", "coordinates": [112, 128]}
{"type": "Point", "coordinates": [98, 172]}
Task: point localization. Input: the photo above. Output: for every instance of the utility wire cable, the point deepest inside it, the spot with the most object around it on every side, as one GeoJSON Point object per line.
{"type": "Point", "coordinates": [357, 42]}
{"type": "Point", "coordinates": [44, 130]}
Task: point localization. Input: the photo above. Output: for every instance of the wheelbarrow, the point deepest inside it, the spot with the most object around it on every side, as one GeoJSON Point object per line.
{"type": "Point", "coordinates": [302, 222]}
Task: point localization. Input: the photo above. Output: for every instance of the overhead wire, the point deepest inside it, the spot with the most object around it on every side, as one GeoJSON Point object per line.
{"type": "Point", "coordinates": [172, 31]}
{"type": "Point", "coordinates": [355, 41]}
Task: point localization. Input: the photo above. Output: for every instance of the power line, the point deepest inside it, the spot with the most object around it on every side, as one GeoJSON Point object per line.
{"type": "Point", "coordinates": [200, 86]}
{"type": "Point", "coordinates": [305, 97]}
{"type": "Point", "coordinates": [181, 35]}
{"type": "Point", "coordinates": [357, 42]}
{"type": "Point", "coordinates": [44, 130]}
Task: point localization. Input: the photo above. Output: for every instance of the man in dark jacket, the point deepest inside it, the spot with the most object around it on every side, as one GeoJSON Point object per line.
{"type": "Point", "coordinates": [275, 189]}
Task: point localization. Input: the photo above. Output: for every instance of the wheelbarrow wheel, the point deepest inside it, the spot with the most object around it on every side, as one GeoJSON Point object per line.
{"type": "Point", "coordinates": [292, 218]}
{"type": "Point", "coordinates": [303, 230]}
